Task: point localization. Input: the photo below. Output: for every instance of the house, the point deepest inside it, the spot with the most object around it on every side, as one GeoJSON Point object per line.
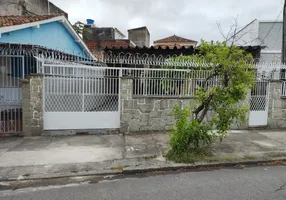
{"type": "Point", "coordinates": [94, 33]}
{"type": "Point", "coordinates": [16, 62]}
{"type": "Point", "coordinates": [51, 31]}
{"type": "Point", "coordinates": [175, 41]}
{"type": "Point", "coordinates": [22, 38]}
{"type": "Point", "coordinates": [97, 38]}
{"type": "Point", "coordinates": [140, 36]}
{"type": "Point", "coordinates": [267, 34]}
{"type": "Point", "coordinates": [29, 8]}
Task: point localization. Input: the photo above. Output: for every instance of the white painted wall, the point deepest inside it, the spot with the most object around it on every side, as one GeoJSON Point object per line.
{"type": "Point", "coordinates": [264, 33]}
{"type": "Point", "coordinates": [248, 36]}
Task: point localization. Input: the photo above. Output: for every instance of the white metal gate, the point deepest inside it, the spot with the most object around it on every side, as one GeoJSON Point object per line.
{"type": "Point", "coordinates": [259, 104]}
{"type": "Point", "coordinates": [11, 71]}
{"type": "Point", "coordinates": [81, 97]}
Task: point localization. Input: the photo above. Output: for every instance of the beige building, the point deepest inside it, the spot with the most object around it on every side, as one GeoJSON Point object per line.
{"type": "Point", "coordinates": [174, 41]}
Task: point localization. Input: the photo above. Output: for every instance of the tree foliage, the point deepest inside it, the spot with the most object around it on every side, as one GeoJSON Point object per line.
{"type": "Point", "coordinates": [78, 27]}
{"type": "Point", "coordinates": [235, 76]}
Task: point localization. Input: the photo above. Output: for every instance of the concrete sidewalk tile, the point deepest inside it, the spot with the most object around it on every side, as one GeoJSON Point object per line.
{"type": "Point", "coordinates": [278, 136]}
{"type": "Point", "coordinates": [138, 139]}
{"type": "Point", "coordinates": [33, 144]}
{"type": "Point", "coordinates": [60, 156]}
{"type": "Point", "coordinates": [161, 138]}
{"type": "Point", "coordinates": [7, 143]}
{"type": "Point", "coordinates": [140, 151]}
{"type": "Point", "coordinates": [80, 155]}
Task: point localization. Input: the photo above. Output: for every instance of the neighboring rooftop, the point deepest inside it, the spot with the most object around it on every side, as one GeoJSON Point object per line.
{"type": "Point", "coordinates": [29, 8]}
{"type": "Point", "coordinates": [254, 50]}
{"type": "Point", "coordinates": [173, 38]}
{"type": "Point", "coordinates": [139, 28]}
{"type": "Point", "coordinates": [19, 20]}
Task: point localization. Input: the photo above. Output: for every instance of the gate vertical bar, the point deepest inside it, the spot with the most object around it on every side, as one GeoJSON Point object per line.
{"type": "Point", "coordinates": [119, 91]}
{"type": "Point", "coordinates": [83, 79]}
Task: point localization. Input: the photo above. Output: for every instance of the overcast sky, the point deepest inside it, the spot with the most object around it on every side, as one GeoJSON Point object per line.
{"type": "Point", "coordinates": [192, 19]}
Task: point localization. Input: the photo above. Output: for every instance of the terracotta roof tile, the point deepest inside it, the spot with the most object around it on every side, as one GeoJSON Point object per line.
{"type": "Point", "coordinates": [18, 20]}
{"type": "Point", "coordinates": [173, 38]}
{"type": "Point", "coordinates": [171, 46]}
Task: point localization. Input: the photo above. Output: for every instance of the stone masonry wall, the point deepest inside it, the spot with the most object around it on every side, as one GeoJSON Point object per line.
{"type": "Point", "coordinates": [32, 88]}
{"type": "Point", "coordinates": [149, 114]}
{"type": "Point", "coordinates": [277, 106]}
{"type": "Point", "coordinates": [145, 114]}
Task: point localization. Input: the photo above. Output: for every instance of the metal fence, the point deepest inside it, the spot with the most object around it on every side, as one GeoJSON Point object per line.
{"type": "Point", "coordinates": [283, 89]}
{"type": "Point", "coordinates": [12, 70]}
{"type": "Point", "coordinates": [259, 93]}
{"type": "Point", "coordinates": [167, 82]}
{"type": "Point", "coordinates": [16, 62]}
{"type": "Point", "coordinates": [75, 88]}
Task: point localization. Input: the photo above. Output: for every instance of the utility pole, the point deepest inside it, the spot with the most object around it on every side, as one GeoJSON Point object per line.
{"type": "Point", "coordinates": [283, 55]}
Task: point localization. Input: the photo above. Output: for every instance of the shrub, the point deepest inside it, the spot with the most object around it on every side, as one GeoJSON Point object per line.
{"type": "Point", "coordinates": [189, 133]}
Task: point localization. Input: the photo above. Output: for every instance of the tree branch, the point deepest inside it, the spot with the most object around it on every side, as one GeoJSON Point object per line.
{"type": "Point", "coordinates": [206, 103]}
{"type": "Point", "coordinates": [206, 108]}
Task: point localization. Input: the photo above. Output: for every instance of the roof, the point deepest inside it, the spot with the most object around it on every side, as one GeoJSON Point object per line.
{"type": "Point", "coordinates": [139, 28]}
{"type": "Point", "coordinates": [170, 51]}
{"type": "Point", "coordinates": [170, 46]}
{"type": "Point", "coordinates": [247, 25]}
{"type": "Point", "coordinates": [18, 20]}
{"type": "Point", "coordinates": [29, 48]}
{"type": "Point", "coordinates": [173, 38]}
{"type": "Point", "coordinates": [240, 30]}
{"type": "Point", "coordinates": [151, 50]}
{"type": "Point", "coordinates": [14, 23]}
{"type": "Point", "coordinates": [119, 32]}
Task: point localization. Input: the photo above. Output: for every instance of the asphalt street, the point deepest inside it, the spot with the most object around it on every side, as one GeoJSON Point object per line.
{"type": "Point", "coordinates": [263, 183]}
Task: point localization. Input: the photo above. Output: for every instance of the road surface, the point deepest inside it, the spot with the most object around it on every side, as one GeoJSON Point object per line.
{"type": "Point", "coordinates": [259, 183]}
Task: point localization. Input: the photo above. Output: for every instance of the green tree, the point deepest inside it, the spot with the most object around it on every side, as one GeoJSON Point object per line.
{"type": "Point", "coordinates": [230, 66]}
{"type": "Point", "coordinates": [78, 27]}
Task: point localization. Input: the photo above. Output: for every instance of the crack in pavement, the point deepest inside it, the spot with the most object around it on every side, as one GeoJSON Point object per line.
{"type": "Point", "coordinates": [283, 187]}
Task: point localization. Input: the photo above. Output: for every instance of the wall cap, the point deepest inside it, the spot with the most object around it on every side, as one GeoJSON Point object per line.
{"type": "Point", "coordinates": [36, 74]}
{"type": "Point", "coordinates": [127, 77]}
{"type": "Point", "coordinates": [276, 81]}
{"type": "Point", "coordinates": [24, 80]}
{"type": "Point", "coordinates": [159, 97]}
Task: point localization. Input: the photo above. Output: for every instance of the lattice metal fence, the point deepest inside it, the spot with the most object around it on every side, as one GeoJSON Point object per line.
{"type": "Point", "coordinates": [74, 88]}
{"type": "Point", "coordinates": [259, 96]}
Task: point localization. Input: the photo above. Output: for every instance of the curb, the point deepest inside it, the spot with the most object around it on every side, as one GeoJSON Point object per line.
{"type": "Point", "coordinates": [183, 167]}
{"type": "Point", "coordinates": [203, 166]}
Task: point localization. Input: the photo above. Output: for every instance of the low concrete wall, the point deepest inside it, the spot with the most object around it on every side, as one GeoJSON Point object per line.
{"type": "Point", "coordinates": [151, 114]}
{"type": "Point", "coordinates": [138, 114]}
{"type": "Point", "coordinates": [144, 114]}
{"type": "Point", "coordinates": [276, 107]}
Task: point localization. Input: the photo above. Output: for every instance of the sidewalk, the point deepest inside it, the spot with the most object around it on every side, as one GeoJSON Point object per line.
{"type": "Point", "coordinates": [46, 157]}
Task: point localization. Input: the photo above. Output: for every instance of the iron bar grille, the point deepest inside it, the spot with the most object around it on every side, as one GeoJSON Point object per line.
{"type": "Point", "coordinates": [12, 70]}
{"type": "Point", "coordinates": [283, 89]}
{"type": "Point", "coordinates": [168, 82]}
